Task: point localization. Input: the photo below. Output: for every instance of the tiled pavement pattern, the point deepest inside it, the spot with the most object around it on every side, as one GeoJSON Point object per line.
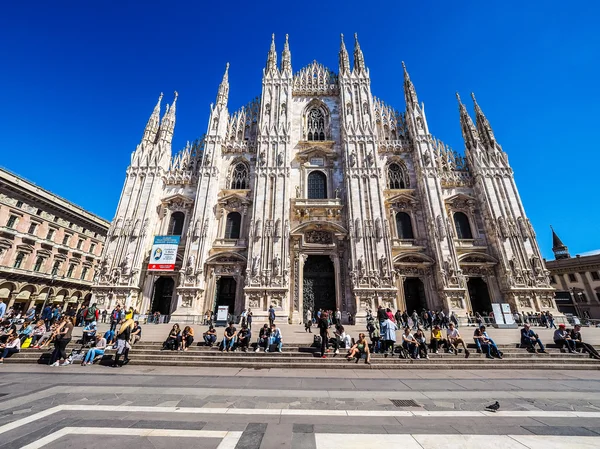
{"type": "Point", "coordinates": [270, 409]}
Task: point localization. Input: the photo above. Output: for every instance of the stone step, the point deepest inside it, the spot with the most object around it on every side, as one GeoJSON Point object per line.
{"type": "Point", "coordinates": [407, 364]}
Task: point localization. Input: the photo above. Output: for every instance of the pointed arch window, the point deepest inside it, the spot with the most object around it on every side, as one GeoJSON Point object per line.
{"type": "Point", "coordinates": [317, 185]}
{"type": "Point", "coordinates": [176, 223]}
{"type": "Point", "coordinates": [315, 124]}
{"type": "Point", "coordinates": [404, 226]}
{"type": "Point", "coordinates": [463, 227]}
{"type": "Point", "coordinates": [397, 178]}
{"type": "Point", "coordinates": [240, 178]}
{"type": "Point", "coordinates": [232, 226]}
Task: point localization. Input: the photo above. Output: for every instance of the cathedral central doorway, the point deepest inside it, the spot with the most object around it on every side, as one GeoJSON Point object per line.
{"type": "Point", "coordinates": [162, 295]}
{"type": "Point", "coordinates": [318, 285]}
{"type": "Point", "coordinates": [414, 295]}
{"type": "Point", "coordinates": [480, 295]}
{"type": "Point", "coordinates": [226, 287]}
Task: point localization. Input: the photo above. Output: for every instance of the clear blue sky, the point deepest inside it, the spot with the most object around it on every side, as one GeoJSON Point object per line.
{"type": "Point", "coordinates": [79, 80]}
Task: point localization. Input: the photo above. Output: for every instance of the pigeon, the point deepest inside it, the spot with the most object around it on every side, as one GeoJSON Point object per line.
{"type": "Point", "coordinates": [494, 407]}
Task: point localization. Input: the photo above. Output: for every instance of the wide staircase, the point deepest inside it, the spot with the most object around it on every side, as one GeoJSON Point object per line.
{"type": "Point", "coordinates": [297, 356]}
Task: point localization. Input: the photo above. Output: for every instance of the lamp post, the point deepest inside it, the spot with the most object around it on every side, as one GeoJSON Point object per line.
{"type": "Point", "coordinates": [49, 287]}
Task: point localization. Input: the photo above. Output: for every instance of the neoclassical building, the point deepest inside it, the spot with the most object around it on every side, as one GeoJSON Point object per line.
{"type": "Point", "coordinates": [317, 194]}
{"type": "Point", "coordinates": [49, 248]}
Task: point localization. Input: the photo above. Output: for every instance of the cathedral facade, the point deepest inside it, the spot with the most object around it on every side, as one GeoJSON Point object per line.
{"type": "Point", "coordinates": [319, 195]}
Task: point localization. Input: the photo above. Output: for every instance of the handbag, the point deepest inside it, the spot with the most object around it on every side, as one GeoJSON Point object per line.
{"type": "Point", "coordinates": [26, 343]}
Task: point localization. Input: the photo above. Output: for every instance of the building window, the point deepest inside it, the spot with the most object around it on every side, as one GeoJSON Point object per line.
{"type": "Point", "coordinates": [239, 177]}
{"type": "Point", "coordinates": [19, 203]}
{"type": "Point", "coordinates": [79, 244]}
{"type": "Point", "coordinates": [32, 228]}
{"type": "Point", "coordinates": [397, 178]}
{"type": "Point", "coordinates": [55, 219]}
{"type": "Point", "coordinates": [11, 221]}
{"type": "Point", "coordinates": [595, 276]}
{"type": "Point", "coordinates": [572, 277]}
{"type": "Point", "coordinates": [70, 270]}
{"type": "Point", "coordinates": [38, 263]}
{"type": "Point", "coordinates": [176, 223]}
{"type": "Point", "coordinates": [463, 228]}
{"type": "Point", "coordinates": [315, 124]}
{"type": "Point", "coordinates": [55, 267]}
{"type": "Point", "coordinates": [66, 239]}
{"type": "Point", "coordinates": [404, 226]}
{"type": "Point", "coordinates": [84, 273]}
{"type": "Point", "coordinates": [232, 226]}
{"type": "Point", "coordinates": [92, 248]}
{"type": "Point", "coordinates": [50, 234]}
{"type": "Point", "coordinates": [70, 225]}
{"type": "Point", "coordinates": [317, 185]}
{"type": "Point", "coordinates": [552, 279]}
{"type": "Point", "coordinates": [38, 212]}
{"type": "Point", "coordinates": [19, 260]}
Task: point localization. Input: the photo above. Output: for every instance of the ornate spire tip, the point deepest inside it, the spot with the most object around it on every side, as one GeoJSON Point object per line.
{"type": "Point", "coordinates": [176, 94]}
{"type": "Point", "coordinates": [473, 97]}
{"type": "Point", "coordinates": [458, 98]}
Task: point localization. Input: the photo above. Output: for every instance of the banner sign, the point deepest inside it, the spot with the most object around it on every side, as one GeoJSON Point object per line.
{"type": "Point", "coordinates": [164, 253]}
{"type": "Point", "coordinates": [496, 308]}
{"type": "Point", "coordinates": [222, 312]}
{"type": "Point", "coordinates": [508, 316]}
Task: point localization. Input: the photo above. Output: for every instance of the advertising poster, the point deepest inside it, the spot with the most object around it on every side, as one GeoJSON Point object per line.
{"type": "Point", "coordinates": [508, 316]}
{"type": "Point", "coordinates": [164, 253]}
{"type": "Point", "coordinates": [497, 313]}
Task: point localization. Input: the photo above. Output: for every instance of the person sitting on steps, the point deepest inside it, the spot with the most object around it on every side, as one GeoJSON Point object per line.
{"type": "Point", "coordinates": [97, 350]}
{"type": "Point", "coordinates": [263, 338]}
{"type": "Point", "coordinates": [187, 338]}
{"type": "Point", "coordinates": [562, 338]}
{"type": "Point", "coordinates": [244, 338]}
{"type": "Point", "coordinates": [579, 343]}
{"type": "Point", "coordinates": [454, 339]}
{"type": "Point", "coordinates": [529, 339]}
{"type": "Point", "coordinates": [228, 337]}
{"type": "Point", "coordinates": [437, 341]}
{"type": "Point", "coordinates": [409, 343]}
{"type": "Point", "coordinates": [421, 342]}
{"type": "Point", "coordinates": [275, 338]}
{"type": "Point", "coordinates": [210, 336]}
{"type": "Point", "coordinates": [360, 348]}
{"type": "Point", "coordinates": [172, 341]}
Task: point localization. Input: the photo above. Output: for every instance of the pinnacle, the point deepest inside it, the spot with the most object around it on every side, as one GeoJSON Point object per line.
{"type": "Point", "coordinates": [458, 98]}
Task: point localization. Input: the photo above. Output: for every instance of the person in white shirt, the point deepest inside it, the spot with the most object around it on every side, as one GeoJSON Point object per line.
{"type": "Point", "coordinates": [12, 346]}
{"type": "Point", "coordinates": [275, 338]}
{"type": "Point", "coordinates": [454, 339]}
{"type": "Point", "coordinates": [409, 343]}
{"type": "Point", "coordinates": [308, 321]}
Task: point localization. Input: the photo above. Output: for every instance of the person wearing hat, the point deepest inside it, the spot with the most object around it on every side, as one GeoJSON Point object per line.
{"type": "Point", "coordinates": [529, 339]}
{"type": "Point", "coordinates": [563, 338]}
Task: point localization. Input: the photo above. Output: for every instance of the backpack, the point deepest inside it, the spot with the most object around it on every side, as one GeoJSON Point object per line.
{"type": "Point", "coordinates": [370, 327]}
{"type": "Point", "coordinates": [90, 315]}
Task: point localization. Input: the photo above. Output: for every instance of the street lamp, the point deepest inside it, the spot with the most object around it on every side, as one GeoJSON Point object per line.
{"type": "Point", "coordinates": [49, 287]}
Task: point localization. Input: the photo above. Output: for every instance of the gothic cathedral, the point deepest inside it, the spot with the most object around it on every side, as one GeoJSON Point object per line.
{"type": "Point", "coordinates": [318, 195]}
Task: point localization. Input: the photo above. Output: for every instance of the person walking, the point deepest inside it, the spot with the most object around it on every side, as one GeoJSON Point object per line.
{"type": "Point", "coordinates": [308, 321]}
{"type": "Point", "coordinates": [323, 326]}
{"type": "Point", "coordinates": [123, 346]}
{"type": "Point", "coordinates": [271, 315]}
{"type": "Point", "coordinates": [63, 337]}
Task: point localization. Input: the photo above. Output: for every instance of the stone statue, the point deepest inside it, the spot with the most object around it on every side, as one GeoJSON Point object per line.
{"type": "Point", "coordinates": [502, 227]}
{"type": "Point", "coordinates": [255, 262]}
{"type": "Point", "coordinates": [280, 159]}
{"type": "Point", "coordinates": [276, 265]}
{"type": "Point", "coordinates": [126, 265]}
{"type": "Point", "coordinates": [337, 193]}
{"type": "Point", "coordinates": [378, 229]}
{"type": "Point", "coordinates": [383, 265]}
{"type": "Point", "coordinates": [190, 265]}
{"type": "Point", "coordinates": [352, 159]}
{"type": "Point", "coordinates": [297, 191]}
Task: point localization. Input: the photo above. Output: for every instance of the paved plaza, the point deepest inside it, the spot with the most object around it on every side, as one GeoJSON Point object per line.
{"type": "Point", "coordinates": [172, 407]}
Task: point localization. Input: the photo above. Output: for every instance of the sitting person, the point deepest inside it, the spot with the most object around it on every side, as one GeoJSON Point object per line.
{"type": "Point", "coordinates": [8, 329]}
{"type": "Point", "coordinates": [579, 343]}
{"type": "Point", "coordinates": [409, 343]}
{"type": "Point", "coordinates": [437, 340]}
{"type": "Point", "coordinates": [136, 333]}
{"type": "Point", "coordinates": [243, 338]}
{"type": "Point", "coordinates": [12, 346]}
{"type": "Point", "coordinates": [562, 338]}
{"type": "Point", "coordinates": [228, 337]}
{"type": "Point", "coordinates": [421, 342]}
{"type": "Point", "coordinates": [483, 343]}
{"type": "Point", "coordinates": [529, 339]}
{"type": "Point", "coordinates": [109, 336]}
{"type": "Point", "coordinates": [26, 331]}
{"type": "Point", "coordinates": [174, 338]}
{"type": "Point", "coordinates": [97, 350]}
{"type": "Point", "coordinates": [275, 338]}
{"type": "Point", "coordinates": [454, 339]}
{"type": "Point", "coordinates": [340, 338]}
{"type": "Point", "coordinates": [89, 333]}
{"type": "Point", "coordinates": [210, 336]}
{"type": "Point", "coordinates": [494, 351]}
{"type": "Point", "coordinates": [187, 338]}
{"type": "Point", "coordinates": [263, 338]}
{"type": "Point", "coordinates": [38, 332]}
{"type": "Point", "coordinates": [360, 348]}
